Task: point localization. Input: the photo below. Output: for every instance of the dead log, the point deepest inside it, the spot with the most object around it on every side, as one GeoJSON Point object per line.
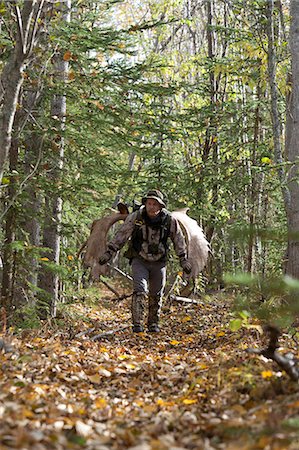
{"type": "Point", "coordinates": [287, 362]}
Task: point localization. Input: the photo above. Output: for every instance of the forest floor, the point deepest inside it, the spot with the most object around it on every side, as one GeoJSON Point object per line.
{"type": "Point", "coordinates": [191, 386]}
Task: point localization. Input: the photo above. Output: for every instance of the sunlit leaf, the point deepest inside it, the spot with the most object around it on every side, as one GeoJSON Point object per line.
{"type": "Point", "coordinates": [174, 342]}
{"type": "Point", "coordinates": [189, 401]}
{"type": "Point", "coordinates": [267, 374]}
{"type": "Point", "coordinates": [235, 324]}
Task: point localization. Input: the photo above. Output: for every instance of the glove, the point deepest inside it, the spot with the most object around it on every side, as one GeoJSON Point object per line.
{"type": "Point", "coordinates": [186, 265]}
{"type": "Point", "coordinates": [106, 257]}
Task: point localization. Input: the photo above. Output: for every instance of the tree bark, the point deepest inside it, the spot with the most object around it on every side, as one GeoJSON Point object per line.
{"type": "Point", "coordinates": [292, 147]}
{"type": "Point", "coordinates": [12, 75]}
{"type": "Point", "coordinates": [9, 255]}
{"type": "Point", "coordinates": [48, 278]}
{"type": "Point", "coordinates": [276, 122]}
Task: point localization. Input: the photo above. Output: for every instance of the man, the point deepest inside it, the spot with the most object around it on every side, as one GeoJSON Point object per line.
{"type": "Point", "coordinates": [148, 230]}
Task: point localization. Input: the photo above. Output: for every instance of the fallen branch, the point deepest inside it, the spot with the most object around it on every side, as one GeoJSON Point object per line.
{"type": "Point", "coordinates": [121, 272]}
{"type": "Point", "coordinates": [287, 362]}
{"type": "Point", "coordinates": [177, 298]}
{"type": "Point", "coordinates": [108, 333]}
{"type": "Point", "coordinates": [109, 287]}
{"type": "Point", "coordinates": [174, 284]}
{"type": "Point", "coordinates": [82, 333]}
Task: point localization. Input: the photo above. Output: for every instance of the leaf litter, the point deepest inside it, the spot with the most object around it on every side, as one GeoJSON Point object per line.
{"type": "Point", "coordinates": [191, 386]}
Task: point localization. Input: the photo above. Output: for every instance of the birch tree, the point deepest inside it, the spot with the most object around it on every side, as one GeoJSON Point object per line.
{"type": "Point", "coordinates": [27, 26]}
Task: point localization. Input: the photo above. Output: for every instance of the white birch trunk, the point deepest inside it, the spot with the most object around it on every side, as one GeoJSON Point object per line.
{"type": "Point", "coordinates": [12, 75]}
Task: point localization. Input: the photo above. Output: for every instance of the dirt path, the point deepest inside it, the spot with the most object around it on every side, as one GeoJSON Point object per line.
{"type": "Point", "coordinates": [192, 386]}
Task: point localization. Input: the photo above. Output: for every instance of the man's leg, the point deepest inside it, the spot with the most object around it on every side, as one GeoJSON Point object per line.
{"type": "Point", "coordinates": [156, 289]}
{"type": "Point", "coordinates": [140, 288]}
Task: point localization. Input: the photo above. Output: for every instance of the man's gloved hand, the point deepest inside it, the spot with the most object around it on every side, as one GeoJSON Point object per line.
{"type": "Point", "coordinates": [105, 258]}
{"type": "Point", "coordinates": [186, 265]}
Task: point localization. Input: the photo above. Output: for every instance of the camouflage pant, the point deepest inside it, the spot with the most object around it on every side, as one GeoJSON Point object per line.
{"type": "Point", "coordinates": [149, 278]}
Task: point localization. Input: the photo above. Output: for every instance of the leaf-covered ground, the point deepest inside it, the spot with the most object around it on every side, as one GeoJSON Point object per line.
{"type": "Point", "coordinates": [192, 386]}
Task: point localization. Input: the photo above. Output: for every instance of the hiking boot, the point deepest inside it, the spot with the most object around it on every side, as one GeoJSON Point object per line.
{"type": "Point", "coordinates": [153, 328]}
{"type": "Point", "coordinates": [137, 329]}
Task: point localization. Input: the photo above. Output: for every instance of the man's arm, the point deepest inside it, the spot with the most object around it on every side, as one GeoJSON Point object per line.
{"type": "Point", "coordinates": [180, 245]}
{"type": "Point", "coordinates": [119, 240]}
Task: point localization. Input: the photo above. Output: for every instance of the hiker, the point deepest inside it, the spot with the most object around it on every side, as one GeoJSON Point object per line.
{"type": "Point", "coordinates": [149, 229]}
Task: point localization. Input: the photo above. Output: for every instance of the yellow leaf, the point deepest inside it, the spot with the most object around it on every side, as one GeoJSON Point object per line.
{"type": "Point", "coordinates": [70, 257]}
{"type": "Point", "coordinates": [139, 402]}
{"type": "Point", "coordinates": [5, 180]}
{"type": "Point", "coordinates": [44, 259]}
{"type": "Point", "coordinates": [161, 402]}
{"type": "Point", "coordinates": [28, 413]}
{"type": "Point", "coordinates": [186, 319]}
{"type": "Point", "coordinates": [267, 374]}
{"type": "Point", "coordinates": [221, 333]}
{"type": "Point", "coordinates": [100, 403]}
{"type": "Point", "coordinates": [189, 401]}
{"type": "Point", "coordinates": [266, 160]}
{"type": "Point", "coordinates": [123, 356]}
{"type": "Point", "coordinates": [202, 366]}
{"type": "Point", "coordinates": [103, 349]}
{"type": "Point", "coordinates": [174, 342]}
{"type": "Point", "coordinates": [130, 366]}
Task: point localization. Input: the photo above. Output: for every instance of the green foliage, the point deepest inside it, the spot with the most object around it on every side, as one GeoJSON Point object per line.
{"type": "Point", "coordinates": [271, 299]}
{"type": "Point", "coordinates": [26, 318]}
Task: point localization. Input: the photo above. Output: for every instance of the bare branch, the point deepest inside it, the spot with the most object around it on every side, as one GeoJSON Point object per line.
{"type": "Point", "coordinates": [20, 28]}
{"type": "Point", "coordinates": [34, 28]}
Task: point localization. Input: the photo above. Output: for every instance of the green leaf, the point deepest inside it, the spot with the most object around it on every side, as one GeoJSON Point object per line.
{"type": "Point", "coordinates": [235, 324]}
{"type": "Point", "coordinates": [244, 314]}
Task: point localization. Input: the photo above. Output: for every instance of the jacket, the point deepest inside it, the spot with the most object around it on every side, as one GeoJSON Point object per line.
{"type": "Point", "coordinates": [148, 238]}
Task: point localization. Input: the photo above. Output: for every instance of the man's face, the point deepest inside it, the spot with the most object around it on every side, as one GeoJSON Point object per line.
{"type": "Point", "coordinates": [152, 208]}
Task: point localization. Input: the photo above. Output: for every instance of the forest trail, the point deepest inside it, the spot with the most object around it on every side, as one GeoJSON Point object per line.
{"type": "Point", "coordinates": [191, 386]}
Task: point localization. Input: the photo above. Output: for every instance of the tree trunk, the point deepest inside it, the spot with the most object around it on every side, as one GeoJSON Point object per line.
{"type": "Point", "coordinates": [49, 279]}
{"type": "Point", "coordinates": [11, 78]}
{"type": "Point", "coordinates": [10, 231]}
{"type": "Point", "coordinates": [33, 204]}
{"type": "Point", "coordinates": [292, 147]}
{"type": "Point", "coordinates": [276, 123]}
